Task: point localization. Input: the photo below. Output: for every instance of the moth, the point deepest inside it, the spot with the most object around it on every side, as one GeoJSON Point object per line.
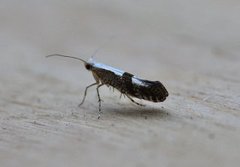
{"type": "Point", "coordinates": [126, 83]}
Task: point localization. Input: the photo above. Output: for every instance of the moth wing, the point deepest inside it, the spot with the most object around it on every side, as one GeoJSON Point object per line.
{"type": "Point", "coordinates": [109, 68]}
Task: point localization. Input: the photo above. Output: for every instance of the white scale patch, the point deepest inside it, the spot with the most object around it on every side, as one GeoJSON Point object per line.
{"type": "Point", "coordinates": [135, 80]}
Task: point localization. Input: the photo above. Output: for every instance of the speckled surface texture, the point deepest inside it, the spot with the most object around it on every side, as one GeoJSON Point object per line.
{"type": "Point", "coordinates": [192, 47]}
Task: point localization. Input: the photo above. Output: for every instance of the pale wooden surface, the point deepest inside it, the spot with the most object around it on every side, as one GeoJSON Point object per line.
{"type": "Point", "coordinates": [190, 46]}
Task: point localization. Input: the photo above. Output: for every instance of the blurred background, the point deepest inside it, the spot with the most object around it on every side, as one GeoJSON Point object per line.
{"type": "Point", "coordinates": [192, 46]}
{"type": "Point", "coordinates": [180, 34]}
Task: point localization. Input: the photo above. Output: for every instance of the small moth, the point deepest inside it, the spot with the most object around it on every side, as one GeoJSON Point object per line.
{"type": "Point", "coordinates": [126, 83]}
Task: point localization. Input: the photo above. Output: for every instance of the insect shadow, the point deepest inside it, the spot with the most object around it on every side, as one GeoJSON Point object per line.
{"type": "Point", "coordinates": [146, 112]}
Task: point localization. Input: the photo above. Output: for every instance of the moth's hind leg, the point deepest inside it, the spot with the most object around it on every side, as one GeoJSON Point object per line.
{"type": "Point", "coordinates": [99, 100]}
{"type": "Point", "coordinates": [85, 93]}
{"type": "Point", "coordinates": [134, 101]}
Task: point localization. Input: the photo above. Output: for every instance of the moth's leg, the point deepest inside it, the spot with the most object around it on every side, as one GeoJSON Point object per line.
{"type": "Point", "coordinates": [99, 100]}
{"type": "Point", "coordinates": [134, 101]}
{"type": "Point", "coordinates": [122, 94]}
{"type": "Point", "coordinates": [85, 93]}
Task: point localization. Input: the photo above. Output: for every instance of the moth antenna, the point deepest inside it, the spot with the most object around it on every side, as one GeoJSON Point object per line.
{"type": "Point", "coordinates": [59, 55]}
{"type": "Point", "coordinates": [95, 52]}
{"type": "Point", "coordinates": [101, 47]}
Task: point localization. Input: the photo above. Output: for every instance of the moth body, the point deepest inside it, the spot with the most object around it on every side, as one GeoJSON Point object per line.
{"type": "Point", "coordinates": [128, 84]}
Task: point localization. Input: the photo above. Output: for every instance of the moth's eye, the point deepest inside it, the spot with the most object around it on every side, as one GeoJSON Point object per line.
{"type": "Point", "coordinates": [88, 66]}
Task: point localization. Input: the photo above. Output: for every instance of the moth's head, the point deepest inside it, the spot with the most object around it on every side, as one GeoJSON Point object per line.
{"type": "Point", "coordinates": [88, 66]}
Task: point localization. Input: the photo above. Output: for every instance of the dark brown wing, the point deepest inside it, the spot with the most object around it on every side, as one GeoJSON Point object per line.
{"type": "Point", "coordinates": [143, 89]}
{"type": "Point", "coordinates": [151, 90]}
